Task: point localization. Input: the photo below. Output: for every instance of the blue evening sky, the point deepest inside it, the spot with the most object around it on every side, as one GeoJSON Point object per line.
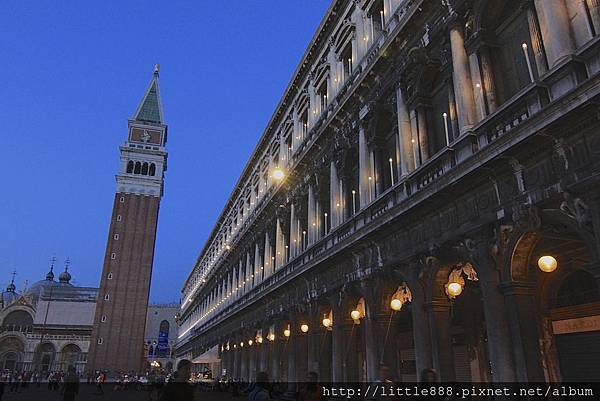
{"type": "Point", "coordinates": [72, 73]}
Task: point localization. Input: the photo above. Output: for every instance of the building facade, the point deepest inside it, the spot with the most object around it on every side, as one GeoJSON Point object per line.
{"type": "Point", "coordinates": [119, 324]}
{"type": "Point", "coordinates": [425, 195]}
{"type": "Point", "coordinates": [161, 335]}
{"type": "Point", "coordinates": [47, 327]}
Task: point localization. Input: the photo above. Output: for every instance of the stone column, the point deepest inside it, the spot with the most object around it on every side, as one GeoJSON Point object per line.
{"type": "Point", "coordinates": [337, 344]}
{"type": "Point", "coordinates": [476, 78]}
{"type": "Point", "coordinates": [494, 308]}
{"type": "Point", "coordinates": [371, 334]}
{"type": "Point", "coordinates": [263, 350]}
{"type": "Point", "coordinates": [279, 246]}
{"type": "Point", "coordinates": [364, 167]}
{"type": "Point", "coordinates": [461, 77]}
{"type": "Point", "coordinates": [292, 376]}
{"type": "Point", "coordinates": [275, 346]}
{"type": "Point", "coordinates": [335, 196]}
{"type": "Point", "coordinates": [521, 305]}
{"type": "Point", "coordinates": [441, 338]}
{"type": "Point", "coordinates": [312, 215]}
{"type": "Point", "coordinates": [293, 245]}
{"type": "Point", "coordinates": [252, 356]}
{"type": "Point", "coordinates": [422, 139]}
{"type": "Point", "coordinates": [537, 45]}
{"type": "Point", "coordinates": [488, 78]}
{"type": "Point", "coordinates": [313, 337]}
{"type": "Point", "coordinates": [237, 361]}
{"type": "Point", "coordinates": [555, 29]}
{"type": "Point", "coordinates": [406, 159]}
{"type": "Point", "coordinates": [420, 328]}
{"type": "Point", "coordinates": [594, 7]}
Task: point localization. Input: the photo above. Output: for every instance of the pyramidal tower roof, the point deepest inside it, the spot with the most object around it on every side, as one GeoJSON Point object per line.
{"type": "Point", "coordinates": [150, 108]}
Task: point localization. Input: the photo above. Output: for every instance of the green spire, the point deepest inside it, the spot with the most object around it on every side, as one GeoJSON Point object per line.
{"type": "Point", "coordinates": [150, 108]}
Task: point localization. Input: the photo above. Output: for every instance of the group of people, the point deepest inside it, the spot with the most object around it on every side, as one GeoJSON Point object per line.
{"type": "Point", "coordinates": [67, 382]}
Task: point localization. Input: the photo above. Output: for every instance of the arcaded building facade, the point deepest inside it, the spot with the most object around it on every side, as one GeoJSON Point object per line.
{"type": "Point", "coordinates": [425, 196]}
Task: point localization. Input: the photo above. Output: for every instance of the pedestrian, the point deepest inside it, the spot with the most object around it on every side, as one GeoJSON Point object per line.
{"type": "Point", "coordinates": [70, 384]}
{"type": "Point", "coordinates": [99, 382]}
{"type": "Point", "coordinates": [180, 388]}
{"type": "Point", "coordinates": [260, 391]}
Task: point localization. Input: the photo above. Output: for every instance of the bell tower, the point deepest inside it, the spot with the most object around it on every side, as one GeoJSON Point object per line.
{"type": "Point", "coordinates": [117, 342]}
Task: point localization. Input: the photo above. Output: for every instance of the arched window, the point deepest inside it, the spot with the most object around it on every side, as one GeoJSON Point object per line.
{"type": "Point", "coordinates": [138, 168]}
{"type": "Point", "coordinates": [18, 318]}
{"type": "Point", "coordinates": [152, 169]}
{"type": "Point", "coordinates": [145, 169]}
{"type": "Point", "coordinates": [164, 327]}
{"type": "Point", "coordinates": [129, 167]}
{"type": "Point", "coordinates": [577, 288]}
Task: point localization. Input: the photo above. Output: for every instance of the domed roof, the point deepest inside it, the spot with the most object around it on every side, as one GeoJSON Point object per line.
{"type": "Point", "coordinates": [8, 296]}
{"type": "Point", "coordinates": [65, 276]}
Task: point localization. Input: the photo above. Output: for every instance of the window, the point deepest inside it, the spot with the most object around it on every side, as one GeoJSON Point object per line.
{"type": "Point", "coordinates": [110, 276]}
{"type": "Point", "coordinates": [152, 169]}
{"type": "Point", "coordinates": [100, 340]}
{"type": "Point", "coordinates": [145, 169]}
{"type": "Point", "coordinates": [118, 217]}
{"type": "Point", "coordinates": [122, 199]}
{"type": "Point", "coordinates": [138, 168]}
{"type": "Point", "coordinates": [116, 237]}
{"type": "Point", "coordinates": [103, 319]}
{"type": "Point", "coordinates": [130, 167]}
{"type": "Point", "coordinates": [113, 255]}
{"type": "Point", "coordinates": [106, 297]}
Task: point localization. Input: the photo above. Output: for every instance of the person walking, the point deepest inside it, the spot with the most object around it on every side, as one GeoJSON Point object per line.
{"type": "Point", "coordinates": [70, 384]}
{"type": "Point", "coordinates": [99, 382]}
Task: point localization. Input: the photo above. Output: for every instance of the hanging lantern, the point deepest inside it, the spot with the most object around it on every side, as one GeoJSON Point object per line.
{"type": "Point", "coordinates": [242, 344]}
{"type": "Point", "coordinates": [287, 332]}
{"type": "Point", "coordinates": [395, 304]}
{"type": "Point", "coordinates": [456, 283]}
{"type": "Point", "coordinates": [271, 335]}
{"type": "Point", "coordinates": [250, 342]}
{"type": "Point", "coordinates": [328, 320]}
{"type": "Point", "coordinates": [359, 311]}
{"type": "Point", "coordinates": [304, 328]}
{"type": "Point", "coordinates": [547, 263]}
{"type": "Point", "coordinates": [400, 297]}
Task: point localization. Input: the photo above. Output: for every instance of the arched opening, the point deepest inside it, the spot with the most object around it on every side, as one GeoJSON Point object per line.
{"type": "Point", "coordinates": [18, 318]}
{"type": "Point", "coordinates": [396, 348]}
{"type": "Point", "coordinates": [11, 353]}
{"type": "Point", "coordinates": [561, 338]}
{"type": "Point", "coordinates": [129, 167]}
{"type": "Point", "coordinates": [138, 168]}
{"type": "Point", "coordinates": [70, 355]}
{"type": "Point", "coordinates": [162, 348]}
{"type": "Point", "coordinates": [152, 170]}
{"type": "Point", "coordinates": [45, 357]}
{"type": "Point", "coordinates": [458, 323]}
{"type": "Point", "coordinates": [145, 168]}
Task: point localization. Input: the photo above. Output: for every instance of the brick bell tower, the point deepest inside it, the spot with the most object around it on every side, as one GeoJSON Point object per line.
{"type": "Point", "coordinates": [117, 342]}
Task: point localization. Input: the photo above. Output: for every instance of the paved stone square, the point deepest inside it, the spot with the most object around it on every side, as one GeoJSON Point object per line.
{"type": "Point", "coordinates": [87, 393]}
